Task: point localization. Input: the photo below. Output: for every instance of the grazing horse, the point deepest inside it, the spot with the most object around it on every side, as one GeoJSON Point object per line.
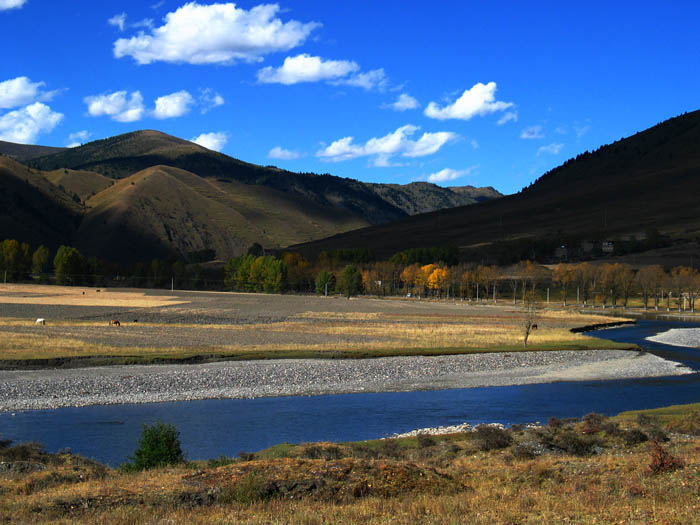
{"type": "Point", "coordinates": [115, 322]}
{"type": "Point", "coordinates": [534, 327]}
{"type": "Point", "coordinates": [40, 320]}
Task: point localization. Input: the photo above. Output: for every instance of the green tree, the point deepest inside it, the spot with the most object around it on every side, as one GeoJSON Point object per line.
{"type": "Point", "coordinates": [159, 446]}
{"type": "Point", "coordinates": [350, 280]}
{"type": "Point", "coordinates": [41, 260]}
{"type": "Point", "coordinates": [325, 282]}
{"type": "Point", "coordinates": [68, 265]}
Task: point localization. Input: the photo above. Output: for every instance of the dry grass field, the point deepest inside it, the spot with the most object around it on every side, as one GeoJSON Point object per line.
{"type": "Point", "coordinates": [180, 326]}
{"type": "Point", "coordinates": [638, 468]}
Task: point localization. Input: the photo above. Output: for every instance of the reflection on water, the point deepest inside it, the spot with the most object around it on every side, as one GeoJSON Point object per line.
{"type": "Point", "coordinates": [211, 428]}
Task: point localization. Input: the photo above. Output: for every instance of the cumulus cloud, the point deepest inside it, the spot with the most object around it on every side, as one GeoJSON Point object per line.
{"type": "Point", "coordinates": [173, 105]}
{"type": "Point", "coordinates": [552, 149]}
{"type": "Point", "coordinates": [214, 141]}
{"type": "Point", "coordinates": [532, 132]}
{"type": "Point", "coordinates": [209, 99]}
{"type": "Point", "coordinates": [118, 105]}
{"type": "Point", "coordinates": [283, 154]}
{"type": "Point", "coordinates": [218, 33]}
{"type": "Point", "coordinates": [403, 103]}
{"type": "Point", "coordinates": [118, 20]}
{"type": "Point", "coordinates": [383, 148]}
{"type": "Point", "coordinates": [21, 91]}
{"type": "Point", "coordinates": [306, 68]}
{"type": "Point", "coordinates": [26, 124]}
{"type": "Point", "coordinates": [508, 117]}
{"type": "Point", "coordinates": [11, 4]}
{"type": "Point", "coordinates": [449, 174]}
{"type": "Point", "coordinates": [374, 79]}
{"type": "Point", "coordinates": [78, 138]}
{"type": "Point", "coordinates": [479, 100]}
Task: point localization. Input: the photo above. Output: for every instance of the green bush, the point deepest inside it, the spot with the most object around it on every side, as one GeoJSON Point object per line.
{"type": "Point", "coordinates": [159, 447]}
{"type": "Point", "coordinates": [488, 437]}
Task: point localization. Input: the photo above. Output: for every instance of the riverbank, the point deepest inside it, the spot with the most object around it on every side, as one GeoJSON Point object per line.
{"type": "Point", "coordinates": [685, 337]}
{"type": "Point", "coordinates": [49, 389]}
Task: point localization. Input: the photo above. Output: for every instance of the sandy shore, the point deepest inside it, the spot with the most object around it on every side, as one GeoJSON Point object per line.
{"type": "Point", "coordinates": [47, 389]}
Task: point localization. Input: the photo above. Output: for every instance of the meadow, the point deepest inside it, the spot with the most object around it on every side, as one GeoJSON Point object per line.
{"type": "Point", "coordinates": [184, 326]}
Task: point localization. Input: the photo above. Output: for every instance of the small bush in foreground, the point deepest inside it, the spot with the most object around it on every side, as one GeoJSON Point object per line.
{"type": "Point", "coordinates": [662, 461]}
{"type": "Point", "coordinates": [491, 438]}
{"type": "Point", "coordinates": [159, 447]}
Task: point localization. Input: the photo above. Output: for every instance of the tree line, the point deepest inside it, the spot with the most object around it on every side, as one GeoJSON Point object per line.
{"type": "Point", "coordinates": [353, 272]}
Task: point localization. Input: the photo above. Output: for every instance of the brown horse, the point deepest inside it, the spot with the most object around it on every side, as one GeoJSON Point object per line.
{"type": "Point", "coordinates": [115, 322]}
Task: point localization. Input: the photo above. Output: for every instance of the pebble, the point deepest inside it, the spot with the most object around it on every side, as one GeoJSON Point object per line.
{"type": "Point", "coordinates": [49, 389]}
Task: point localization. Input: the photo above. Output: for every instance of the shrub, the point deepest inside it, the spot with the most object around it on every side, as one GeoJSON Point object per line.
{"type": "Point", "coordinates": [425, 441]}
{"type": "Point", "coordinates": [251, 489]}
{"type": "Point", "coordinates": [662, 461]}
{"type": "Point", "coordinates": [634, 437]}
{"type": "Point", "coordinates": [491, 438]}
{"type": "Point", "coordinates": [571, 442]}
{"type": "Point", "coordinates": [159, 446]}
{"type": "Point", "coordinates": [592, 423]}
{"type": "Point", "coordinates": [689, 424]}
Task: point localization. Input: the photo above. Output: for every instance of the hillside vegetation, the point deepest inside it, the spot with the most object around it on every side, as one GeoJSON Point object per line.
{"type": "Point", "coordinates": [649, 180]}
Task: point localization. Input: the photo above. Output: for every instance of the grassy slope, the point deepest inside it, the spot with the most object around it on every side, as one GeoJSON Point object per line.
{"type": "Point", "coordinates": [647, 180]}
{"type": "Point", "coordinates": [84, 184]}
{"type": "Point", "coordinates": [24, 152]}
{"type": "Point", "coordinates": [595, 470]}
{"type": "Point", "coordinates": [32, 209]}
{"type": "Point", "coordinates": [187, 213]}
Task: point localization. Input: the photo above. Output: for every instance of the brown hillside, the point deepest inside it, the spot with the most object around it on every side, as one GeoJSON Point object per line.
{"type": "Point", "coordinates": [25, 152]}
{"type": "Point", "coordinates": [84, 184]}
{"type": "Point", "coordinates": [175, 211]}
{"type": "Point", "coordinates": [32, 209]}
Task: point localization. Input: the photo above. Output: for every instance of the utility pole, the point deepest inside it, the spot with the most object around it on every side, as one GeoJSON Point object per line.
{"type": "Point", "coordinates": [172, 284]}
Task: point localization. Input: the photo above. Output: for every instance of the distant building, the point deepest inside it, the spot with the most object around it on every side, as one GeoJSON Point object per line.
{"type": "Point", "coordinates": [587, 246]}
{"type": "Point", "coordinates": [562, 252]}
{"type": "Point", "coordinates": [608, 246]}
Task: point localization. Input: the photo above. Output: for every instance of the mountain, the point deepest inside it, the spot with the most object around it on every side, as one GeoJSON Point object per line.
{"type": "Point", "coordinates": [147, 194]}
{"type": "Point", "coordinates": [25, 152]}
{"type": "Point", "coordinates": [629, 189]}
{"type": "Point", "coordinates": [423, 197]}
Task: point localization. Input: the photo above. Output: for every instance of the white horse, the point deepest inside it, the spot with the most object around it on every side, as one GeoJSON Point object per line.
{"type": "Point", "coordinates": [40, 320]}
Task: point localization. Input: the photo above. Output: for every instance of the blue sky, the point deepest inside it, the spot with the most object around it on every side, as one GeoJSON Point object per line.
{"type": "Point", "coordinates": [453, 92]}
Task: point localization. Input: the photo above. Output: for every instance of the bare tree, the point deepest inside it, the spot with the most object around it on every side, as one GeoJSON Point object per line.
{"type": "Point", "coordinates": [530, 318]}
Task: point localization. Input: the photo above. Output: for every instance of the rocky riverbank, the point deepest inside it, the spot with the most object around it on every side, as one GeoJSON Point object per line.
{"type": "Point", "coordinates": [48, 389]}
{"type": "Point", "coordinates": [687, 337]}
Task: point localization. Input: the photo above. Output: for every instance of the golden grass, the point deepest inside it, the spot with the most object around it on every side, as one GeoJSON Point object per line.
{"type": "Point", "coordinates": [80, 296]}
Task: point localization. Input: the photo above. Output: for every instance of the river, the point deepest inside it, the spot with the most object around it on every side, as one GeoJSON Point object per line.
{"type": "Point", "coordinates": [213, 428]}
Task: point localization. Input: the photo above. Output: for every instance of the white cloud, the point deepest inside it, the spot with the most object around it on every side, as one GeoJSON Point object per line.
{"type": "Point", "coordinates": [283, 154]}
{"type": "Point", "coordinates": [552, 149]}
{"type": "Point", "coordinates": [383, 148]}
{"type": "Point", "coordinates": [581, 131]}
{"type": "Point", "coordinates": [474, 144]}
{"type": "Point", "coordinates": [209, 99]}
{"type": "Point", "coordinates": [173, 105]}
{"type": "Point", "coordinates": [509, 116]}
{"type": "Point", "coordinates": [118, 20]}
{"type": "Point", "coordinates": [21, 91]}
{"type": "Point", "coordinates": [374, 79]}
{"type": "Point", "coordinates": [306, 68]}
{"type": "Point", "coordinates": [479, 100]}
{"type": "Point", "coordinates": [449, 174]}
{"type": "Point", "coordinates": [11, 4]}
{"type": "Point", "coordinates": [532, 132]}
{"type": "Point", "coordinates": [78, 138]}
{"type": "Point", "coordinates": [146, 22]}
{"type": "Point", "coordinates": [26, 124]}
{"type": "Point", "coordinates": [218, 33]}
{"type": "Point", "coordinates": [214, 141]}
{"type": "Point", "coordinates": [403, 103]}
{"type": "Point", "coordinates": [117, 105]}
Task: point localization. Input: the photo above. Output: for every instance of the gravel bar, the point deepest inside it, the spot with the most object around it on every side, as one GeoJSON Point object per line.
{"type": "Point", "coordinates": [48, 389]}
{"type": "Point", "coordinates": [688, 337]}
